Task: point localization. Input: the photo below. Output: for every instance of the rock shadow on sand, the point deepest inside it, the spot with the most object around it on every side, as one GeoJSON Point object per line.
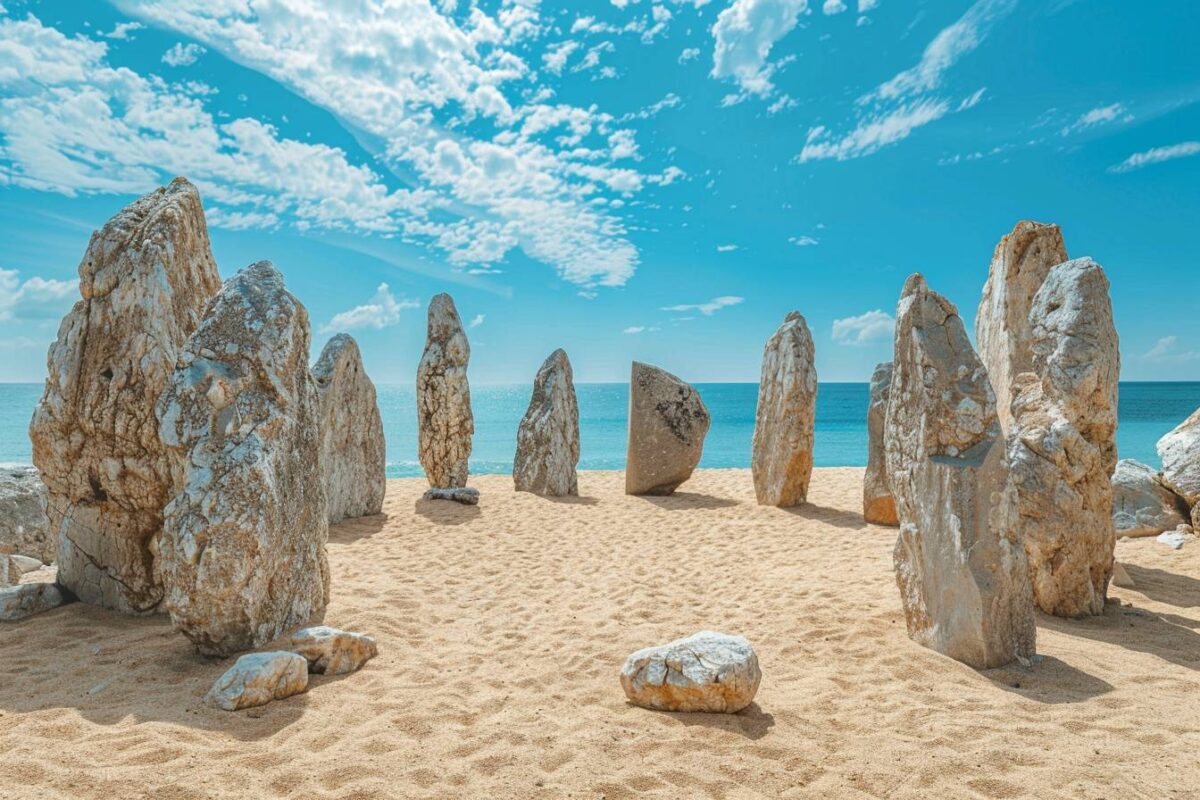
{"type": "Point", "coordinates": [446, 512]}
{"type": "Point", "coordinates": [751, 722]}
{"type": "Point", "coordinates": [1135, 629]}
{"type": "Point", "coordinates": [351, 530]}
{"type": "Point", "coordinates": [1182, 591]}
{"type": "Point", "coordinates": [1050, 681]}
{"type": "Point", "coordinates": [833, 517]}
{"type": "Point", "coordinates": [687, 501]}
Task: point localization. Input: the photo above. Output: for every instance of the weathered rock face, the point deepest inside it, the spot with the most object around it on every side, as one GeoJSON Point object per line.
{"type": "Point", "coordinates": [1142, 506]}
{"type": "Point", "coordinates": [330, 651]}
{"type": "Point", "coordinates": [960, 566]}
{"type": "Point", "coordinates": [24, 526]}
{"type": "Point", "coordinates": [1180, 454]}
{"type": "Point", "coordinates": [667, 425]}
{"type": "Point", "coordinates": [27, 599]}
{"type": "Point", "coordinates": [1020, 264]}
{"type": "Point", "coordinates": [781, 453]}
{"type": "Point", "coordinates": [879, 507]}
{"type": "Point", "coordinates": [243, 545]}
{"type": "Point", "coordinates": [1062, 445]}
{"type": "Point", "coordinates": [353, 452]}
{"type": "Point", "coordinates": [463, 494]}
{"type": "Point", "coordinates": [256, 679]}
{"type": "Point", "coordinates": [548, 438]}
{"type": "Point", "coordinates": [444, 418]}
{"type": "Point", "coordinates": [13, 568]}
{"type": "Point", "coordinates": [707, 671]}
{"type": "Point", "coordinates": [144, 279]}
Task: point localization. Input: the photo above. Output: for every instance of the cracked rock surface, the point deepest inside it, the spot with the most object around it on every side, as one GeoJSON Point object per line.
{"type": "Point", "coordinates": [1180, 454]}
{"type": "Point", "coordinates": [548, 437]}
{"type": "Point", "coordinates": [707, 671]}
{"type": "Point", "coordinates": [1142, 505]}
{"type": "Point", "coordinates": [144, 281]}
{"type": "Point", "coordinates": [445, 423]}
{"type": "Point", "coordinates": [667, 425]}
{"type": "Point", "coordinates": [879, 507]}
{"type": "Point", "coordinates": [782, 448]}
{"type": "Point", "coordinates": [330, 651]}
{"type": "Point", "coordinates": [24, 526]}
{"type": "Point", "coordinates": [256, 679]}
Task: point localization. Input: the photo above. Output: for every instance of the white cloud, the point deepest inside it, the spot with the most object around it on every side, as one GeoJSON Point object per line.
{"type": "Point", "coordinates": [709, 308]}
{"type": "Point", "coordinates": [872, 133]}
{"type": "Point", "coordinates": [743, 36]}
{"type": "Point", "coordinates": [555, 58]}
{"type": "Point", "coordinates": [1167, 349]}
{"type": "Point", "coordinates": [183, 55]}
{"type": "Point", "coordinates": [35, 297]}
{"type": "Point", "coordinates": [633, 329]}
{"type": "Point", "coordinates": [381, 311]}
{"type": "Point", "coordinates": [803, 241]}
{"type": "Point", "coordinates": [477, 321]}
{"type": "Point", "coordinates": [873, 326]}
{"type": "Point", "coordinates": [726, 248]}
{"type": "Point", "coordinates": [1157, 155]}
{"type": "Point", "coordinates": [833, 7]}
{"type": "Point", "coordinates": [1099, 116]}
{"type": "Point", "coordinates": [688, 54]}
{"type": "Point", "coordinates": [867, 5]}
{"type": "Point", "coordinates": [122, 30]}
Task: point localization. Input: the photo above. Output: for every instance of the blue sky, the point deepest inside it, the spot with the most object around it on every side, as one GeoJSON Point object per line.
{"type": "Point", "coordinates": [653, 179]}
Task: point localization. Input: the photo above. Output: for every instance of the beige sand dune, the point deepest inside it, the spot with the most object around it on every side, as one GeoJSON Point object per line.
{"type": "Point", "coordinates": [502, 629]}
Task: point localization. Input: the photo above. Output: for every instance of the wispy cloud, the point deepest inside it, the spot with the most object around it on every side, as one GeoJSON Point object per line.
{"type": "Point", "coordinates": [1167, 349]}
{"type": "Point", "coordinates": [634, 330]}
{"type": "Point", "coordinates": [873, 326]}
{"type": "Point", "coordinates": [477, 321]}
{"type": "Point", "coordinates": [381, 311]}
{"type": "Point", "coordinates": [709, 308]}
{"type": "Point", "coordinates": [1157, 155]}
{"type": "Point", "coordinates": [803, 241]}
{"type": "Point", "coordinates": [726, 248]}
{"type": "Point", "coordinates": [1099, 116]}
{"type": "Point", "coordinates": [183, 55]}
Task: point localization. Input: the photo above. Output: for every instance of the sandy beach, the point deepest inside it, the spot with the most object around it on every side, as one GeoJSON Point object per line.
{"type": "Point", "coordinates": [502, 628]}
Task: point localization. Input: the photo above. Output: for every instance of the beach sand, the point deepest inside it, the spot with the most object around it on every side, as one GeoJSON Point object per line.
{"type": "Point", "coordinates": [502, 629]}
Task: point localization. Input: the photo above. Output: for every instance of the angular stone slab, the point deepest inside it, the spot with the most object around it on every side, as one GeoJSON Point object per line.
{"type": "Point", "coordinates": [256, 679]}
{"type": "Point", "coordinates": [705, 672]}
{"type": "Point", "coordinates": [1180, 454]}
{"type": "Point", "coordinates": [26, 599]}
{"type": "Point", "coordinates": [24, 526]}
{"type": "Point", "coordinates": [548, 437]}
{"type": "Point", "coordinates": [445, 423]}
{"type": "Point", "coordinates": [782, 448]}
{"type": "Point", "coordinates": [667, 425]}
{"type": "Point", "coordinates": [879, 507]}
{"type": "Point", "coordinates": [1142, 506]}
{"type": "Point", "coordinates": [330, 651]}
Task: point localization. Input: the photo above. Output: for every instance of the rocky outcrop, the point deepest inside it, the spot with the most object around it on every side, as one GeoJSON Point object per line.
{"type": "Point", "coordinates": [330, 651]}
{"type": "Point", "coordinates": [879, 507]}
{"type": "Point", "coordinates": [24, 526]}
{"type": "Point", "coordinates": [782, 449]}
{"type": "Point", "coordinates": [26, 599]}
{"type": "Point", "coordinates": [144, 281]}
{"type": "Point", "coordinates": [710, 672]}
{"type": "Point", "coordinates": [548, 437]}
{"type": "Point", "coordinates": [1142, 506]}
{"type": "Point", "coordinates": [353, 452]}
{"type": "Point", "coordinates": [667, 425]}
{"type": "Point", "coordinates": [960, 566]}
{"type": "Point", "coordinates": [256, 679]}
{"type": "Point", "coordinates": [243, 546]}
{"type": "Point", "coordinates": [1062, 445]}
{"type": "Point", "coordinates": [1020, 264]}
{"type": "Point", "coordinates": [1180, 454]}
{"type": "Point", "coordinates": [444, 420]}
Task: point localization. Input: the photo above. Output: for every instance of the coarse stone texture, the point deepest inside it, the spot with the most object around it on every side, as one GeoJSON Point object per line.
{"type": "Point", "coordinates": [667, 425]}
{"type": "Point", "coordinates": [879, 507]}
{"type": "Point", "coordinates": [1020, 264]}
{"type": "Point", "coordinates": [24, 526]}
{"type": "Point", "coordinates": [13, 567]}
{"type": "Point", "coordinates": [27, 599]}
{"type": "Point", "coordinates": [256, 679]}
{"type": "Point", "coordinates": [1062, 446]}
{"type": "Point", "coordinates": [1121, 577]}
{"type": "Point", "coordinates": [444, 420]}
{"type": "Point", "coordinates": [1142, 506]}
{"type": "Point", "coordinates": [353, 451]}
{"type": "Point", "coordinates": [464, 494]}
{"type": "Point", "coordinates": [960, 566]}
{"type": "Point", "coordinates": [330, 651]}
{"type": "Point", "coordinates": [1180, 454]}
{"type": "Point", "coordinates": [782, 449]}
{"type": "Point", "coordinates": [144, 280]}
{"type": "Point", "coordinates": [243, 545]}
{"type": "Point", "coordinates": [707, 671]}
{"type": "Point", "coordinates": [548, 437]}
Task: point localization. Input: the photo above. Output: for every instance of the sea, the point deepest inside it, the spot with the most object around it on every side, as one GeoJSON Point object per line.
{"type": "Point", "coordinates": [1145, 413]}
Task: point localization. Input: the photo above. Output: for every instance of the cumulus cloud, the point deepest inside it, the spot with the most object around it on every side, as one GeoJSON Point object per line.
{"type": "Point", "coordinates": [183, 55]}
{"type": "Point", "coordinates": [743, 36]}
{"type": "Point", "coordinates": [688, 54]}
{"type": "Point", "coordinates": [1157, 155]}
{"type": "Point", "coordinates": [381, 311]}
{"type": "Point", "coordinates": [709, 308]}
{"type": "Point", "coordinates": [867, 5]}
{"type": "Point", "coordinates": [34, 297]}
{"type": "Point", "coordinates": [832, 7]}
{"type": "Point", "coordinates": [122, 30]}
{"type": "Point", "coordinates": [873, 326]}
{"type": "Point", "coordinates": [803, 241]}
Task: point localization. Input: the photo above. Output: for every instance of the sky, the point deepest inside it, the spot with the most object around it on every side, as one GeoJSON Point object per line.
{"type": "Point", "coordinates": [660, 180]}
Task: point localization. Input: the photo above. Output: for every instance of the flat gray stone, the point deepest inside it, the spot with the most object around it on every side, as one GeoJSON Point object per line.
{"type": "Point", "coordinates": [464, 495]}
{"type": "Point", "coordinates": [27, 599]}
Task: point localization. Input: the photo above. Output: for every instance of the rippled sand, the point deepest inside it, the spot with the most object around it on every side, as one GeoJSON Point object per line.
{"type": "Point", "coordinates": [502, 629]}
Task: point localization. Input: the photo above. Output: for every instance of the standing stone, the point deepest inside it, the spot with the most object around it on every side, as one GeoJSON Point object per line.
{"type": "Point", "coordinates": [548, 438]}
{"type": "Point", "coordinates": [444, 419]}
{"type": "Point", "coordinates": [879, 507]}
{"type": "Point", "coordinates": [353, 453]}
{"type": "Point", "coordinates": [24, 527]}
{"type": "Point", "coordinates": [1020, 264]}
{"type": "Point", "coordinates": [667, 426]}
{"type": "Point", "coordinates": [1142, 506]}
{"type": "Point", "coordinates": [1180, 454]}
{"type": "Point", "coordinates": [144, 279]}
{"type": "Point", "coordinates": [960, 566]}
{"type": "Point", "coordinates": [243, 545]}
{"type": "Point", "coordinates": [782, 450]}
{"type": "Point", "coordinates": [1063, 445]}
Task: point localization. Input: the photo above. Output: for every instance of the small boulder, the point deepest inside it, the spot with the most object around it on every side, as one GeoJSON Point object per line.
{"type": "Point", "coordinates": [256, 679]}
{"type": "Point", "coordinates": [1121, 577]}
{"type": "Point", "coordinates": [24, 526]}
{"type": "Point", "coordinates": [879, 506]}
{"type": "Point", "coordinates": [12, 567]}
{"type": "Point", "coordinates": [353, 451]}
{"type": "Point", "coordinates": [466, 495]}
{"type": "Point", "coordinates": [27, 599]}
{"type": "Point", "coordinates": [1175, 539]}
{"type": "Point", "coordinates": [1180, 454]}
{"type": "Point", "coordinates": [445, 423]}
{"type": "Point", "coordinates": [330, 651]}
{"type": "Point", "coordinates": [667, 425]}
{"type": "Point", "coordinates": [548, 437]}
{"type": "Point", "coordinates": [707, 671]}
{"type": "Point", "coordinates": [1142, 506]}
{"type": "Point", "coordinates": [782, 449]}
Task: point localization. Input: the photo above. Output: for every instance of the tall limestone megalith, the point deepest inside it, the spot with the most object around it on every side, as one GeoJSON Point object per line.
{"type": "Point", "coordinates": [667, 425]}
{"type": "Point", "coordinates": [145, 279]}
{"type": "Point", "coordinates": [548, 437]}
{"type": "Point", "coordinates": [960, 565]}
{"type": "Point", "coordinates": [879, 507]}
{"type": "Point", "coordinates": [243, 547]}
{"type": "Point", "coordinates": [444, 420]}
{"type": "Point", "coordinates": [1020, 264]}
{"type": "Point", "coordinates": [353, 452]}
{"type": "Point", "coordinates": [782, 449]}
{"type": "Point", "coordinates": [1063, 445]}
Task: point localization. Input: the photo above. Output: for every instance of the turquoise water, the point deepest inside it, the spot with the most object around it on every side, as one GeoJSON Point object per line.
{"type": "Point", "coordinates": [1147, 411]}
